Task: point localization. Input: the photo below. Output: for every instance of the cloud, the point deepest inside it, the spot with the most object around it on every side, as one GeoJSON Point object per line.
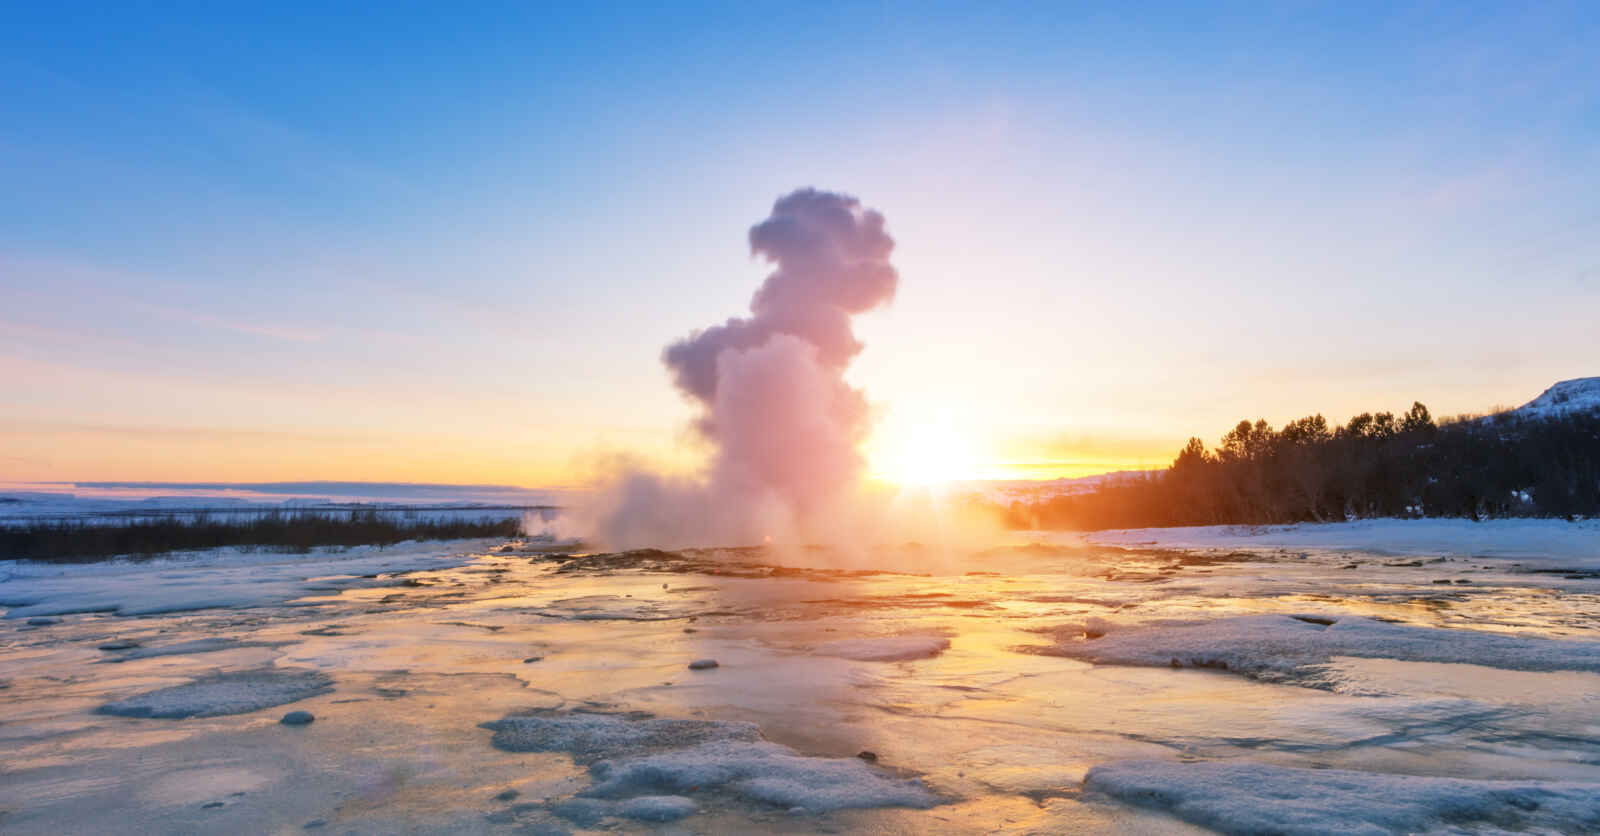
{"type": "Point", "coordinates": [784, 427]}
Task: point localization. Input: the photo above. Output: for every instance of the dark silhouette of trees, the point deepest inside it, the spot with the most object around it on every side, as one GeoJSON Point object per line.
{"type": "Point", "coordinates": [78, 542]}
{"type": "Point", "coordinates": [1375, 465]}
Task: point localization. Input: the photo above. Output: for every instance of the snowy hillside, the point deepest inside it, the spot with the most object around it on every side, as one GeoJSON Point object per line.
{"type": "Point", "coordinates": [1578, 394]}
{"type": "Point", "coordinates": [1032, 490]}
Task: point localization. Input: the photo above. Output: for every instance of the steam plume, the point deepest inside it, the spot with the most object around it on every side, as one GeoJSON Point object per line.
{"type": "Point", "coordinates": [784, 426]}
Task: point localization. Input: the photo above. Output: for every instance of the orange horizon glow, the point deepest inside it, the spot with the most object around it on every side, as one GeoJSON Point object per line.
{"type": "Point", "coordinates": [921, 454]}
{"type": "Point", "coordinates": [91, 424]}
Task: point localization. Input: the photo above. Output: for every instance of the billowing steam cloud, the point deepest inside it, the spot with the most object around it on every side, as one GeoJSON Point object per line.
{"type": "Point", "coordinates": [784, 426]}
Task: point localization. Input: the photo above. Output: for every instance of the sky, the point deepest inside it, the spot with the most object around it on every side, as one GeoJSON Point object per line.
{"type": "Point", "coordinates": [422, 242]}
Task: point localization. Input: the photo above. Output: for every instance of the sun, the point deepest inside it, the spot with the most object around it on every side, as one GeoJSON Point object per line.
{"type": "Point", "coordinates": [923, 449]}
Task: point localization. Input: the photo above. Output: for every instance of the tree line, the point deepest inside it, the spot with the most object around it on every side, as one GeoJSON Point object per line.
{"type": "Point", "coordinates": [1375, 465]}
{"type": "Point", "coordinates": [74, 542]}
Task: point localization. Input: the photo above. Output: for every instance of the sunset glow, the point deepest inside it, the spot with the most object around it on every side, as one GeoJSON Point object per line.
{"type": "Point", "coordinates": [980, 418]}
{"type": "Point", "coordinates": [925, 450]}
{"type": "Point", "coordinates": [485, 300]}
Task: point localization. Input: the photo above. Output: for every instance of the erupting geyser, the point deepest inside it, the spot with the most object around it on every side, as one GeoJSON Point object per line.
{"type": "Point", "coordinates": [784, 425]}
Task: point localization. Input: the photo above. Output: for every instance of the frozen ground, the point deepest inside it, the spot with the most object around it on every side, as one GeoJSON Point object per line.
{"type": "Point", "coordinates": [1575, 544]}
{"type": "Point", "coordinates": [217, 578]}
{"type": "Point", "coordinates": [1410, 677]}
{"type": "Point", "coordinates": [1254, 798]}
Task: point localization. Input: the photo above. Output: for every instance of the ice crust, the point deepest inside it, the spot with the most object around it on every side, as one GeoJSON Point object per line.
{"type": "Point", "coordinates": [886, 649]}
{"type": "Point", "coordinates": [641, 761]}
{"type": "Point", "coordinates": [1257, 799]}
{"type": "Point", "coordinates": [1568, 544]}
{"type": "Point", "coordinates": [1287, 648]}
{"type": "Point", "coordinates": [194, 646]}
{"type": "Point", "coordinates": [592, 737]}
{"type": "Point", "coordinates": [760, 771]}
{"type": "Point", "coordinates": [231, 693]}
{"type": "Point", "coordinates": [210, 579]}
{"type": "Point", "coordinates": [661, 808]}
{"type": "Point", "coordinates": [589, 812]}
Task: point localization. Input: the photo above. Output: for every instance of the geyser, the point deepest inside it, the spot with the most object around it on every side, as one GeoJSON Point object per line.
{"type": "Point", "coordinates": [784, 427]}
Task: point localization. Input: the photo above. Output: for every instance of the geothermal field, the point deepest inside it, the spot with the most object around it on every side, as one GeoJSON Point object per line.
{"type": "Point", "coordinates": [1286, 680]}
{"type": "Point", "coordinates": [772, 644]}
{"type": "Point", "coordinates": [743, 418]}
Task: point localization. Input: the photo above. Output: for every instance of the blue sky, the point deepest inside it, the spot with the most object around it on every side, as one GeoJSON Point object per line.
{"type": "Point", "coordinates": [432, 243]}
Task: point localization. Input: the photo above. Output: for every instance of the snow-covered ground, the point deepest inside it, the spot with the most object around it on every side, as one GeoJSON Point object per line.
{"type": "Point", "coordinates": [236, 578]}
{"type": "Point", "coordinates": [1257, 798]}
{"type": "Point", "coordinates": [1532, 540]}
{"type": "Point", "coordinates": [1301, 648]}
{"type": "Point", "coordinates": [1364, 678]}
{"type": "Point", "coordinates": [1576, 395]}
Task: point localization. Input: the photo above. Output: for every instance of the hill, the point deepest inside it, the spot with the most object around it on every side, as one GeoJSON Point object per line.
{"type": "Point", "coordinates": [1580, 394]}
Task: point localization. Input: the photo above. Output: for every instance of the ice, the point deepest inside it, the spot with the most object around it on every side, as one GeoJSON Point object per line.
{"type": "Point", "coordinates": [1251, 798]}
{"type": "Point", "coordinates": [194, 646]}
{"type": "Point", "coordinates": [583, 812]}
{"type": "Point", "coordinates": [231, 693]}
{"type": "Point", "coordinates": [610, 732]}
{"type": "Point", "coordinates": [633, 757]}
{"type": "Point", "coordinates": [661, 808]}
{"type": "Point", "coordinates": [216, 578]}
{"type": "Point", "coordinates": [760, 771]}
{"type": "Point", "coordinates": [885, 649]}
{"type": "Point", "coordinates": [590, 812]}
{"type": "Point", "coordinates": [609, 608]}
{"type": "Point", "coordinates": [1298, 648]}
{"type": "Point", "coordinates": [590, 737]}
{"type": "Point", "coordinates": [1572, 544]}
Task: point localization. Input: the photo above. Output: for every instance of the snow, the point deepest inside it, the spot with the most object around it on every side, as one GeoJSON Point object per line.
{"type": "Point", "coordinates": [1576, 395]}
{"type": "Point", "coordinates": [634, 757]}
{"type": "Point", "coordinates": [885, 649]}
{"type": "Point", "coordinates": [233, 693]}
{"type": "Point", "coordinates": [760, 771]}
{"type": "Point", "coordinates": [609, 731]}
{"type": "Point", "coordinates": [1297, 649]}
{"type": "Point", "coordinates": [227, 577]}
{"type": "Point", "coordinates": [1574, 544]}
{"type": "Point", "coordinates": [659, 808]}
{"type": "Point", "coordinates": [583, 812]}
{"type": "Point", "coordinates": [1251, 798]}
{"type": "Point", "coordinates": [591, 737]}
{"type": "Point", "coordinates": [193, 646]}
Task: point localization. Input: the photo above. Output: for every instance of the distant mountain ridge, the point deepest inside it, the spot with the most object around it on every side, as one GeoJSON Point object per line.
{"type": "Point", "coordinates": [1581, 394]}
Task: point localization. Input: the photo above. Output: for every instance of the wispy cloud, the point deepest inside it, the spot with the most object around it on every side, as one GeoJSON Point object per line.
{"type": "Point", "coordinates": [135, 432]}
{"type": "Point", "coordinates": [56, 289]}
{"type": "Point", "coordinates": [198, 317]}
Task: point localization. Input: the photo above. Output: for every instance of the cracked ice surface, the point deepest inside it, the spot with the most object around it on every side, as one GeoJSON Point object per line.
{"type": "Point", "coordinates": [1247, 798]}
{"type": "Point", "coordinates": [1298, 649]}
{"type": "Point", "coordinates": [475, 691]}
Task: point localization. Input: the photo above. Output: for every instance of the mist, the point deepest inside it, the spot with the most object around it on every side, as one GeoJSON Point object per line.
{"type": "Point", "coordinates": [783, 427]}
